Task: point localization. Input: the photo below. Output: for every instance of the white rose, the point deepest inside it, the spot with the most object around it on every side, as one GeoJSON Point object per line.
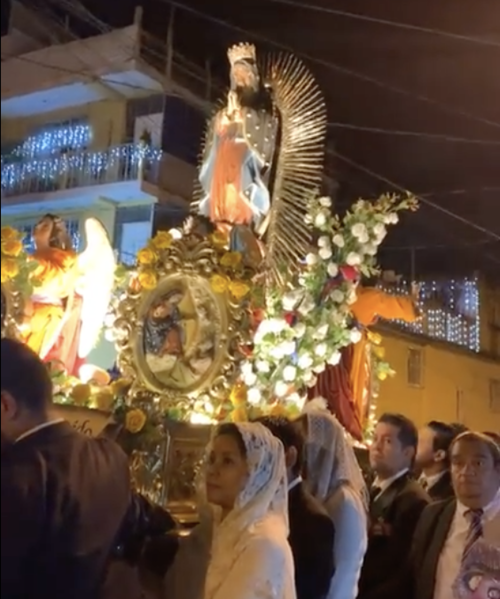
{"type": "Point", "coordinates": [311, 259]}
{"type": "Point", "coordinates": [289, 373]}
{"type": "Point", "coordinates": [253, 396]}
{"type": "Point", "coordinates": [250, 378]}
{"type": "Point", "coordinates": [391, 219]}
{"type": "Point", "coordinates": [325, 253]}
{"type": "Point", "coordinates": [353, 259]}
{"type": "Point", "coordinates": [326, 202]}
{"type": "Point", "coordinates": [324, 241]}
{"type": "Point", "coordinates": [305, 361]}
{"type": "Point", "coordinates": [309, 378]}
{"type": "Point", "coordinates": [308, 219]}
{"type": "Point", "coordinates": [263, 366]}
{"type": "Point", "coordinates": [355, 335]}
{"type": "Point", "coordinates": [352, 296]}
{"type": "Point", "coordinates": [338, 240]}
{"type": "Point", "coordinates": [320, 350]}
{"type": "Point", "coordinates": [277, 352]}
{"type": "Point", "coordinates": [359, 230]}
{"type": "Point", "coordinates": [291, 299]}
{"type": "Point", "coordinates": [281, 389]}
{"type": "Point", "coordinates": [306, 305]}
{"type": "Point", "coordinates": [321, 332]}
{"type": "Point", "coordinates": [337, 296]}
{"type": "Point", "coordinates": [289, 347]}
{"type": "Point", "coordinates": [332, 269]}
{"type": "Point", "coordinates": [334, 358]}
{"type": "Point", "coordinates": [319, 368]}
{"type": "Point", "coordinates": [320, 220]}
{"type": "Point", "coordinates": [380, 231]}
{"type": "Point", "coordinates": [299, 329]}
{"type": "Point", "coordinates": [370, 249]}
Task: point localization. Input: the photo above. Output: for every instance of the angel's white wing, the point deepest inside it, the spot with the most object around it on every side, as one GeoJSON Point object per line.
{"type": "Point", "coordinates": [97, 266]}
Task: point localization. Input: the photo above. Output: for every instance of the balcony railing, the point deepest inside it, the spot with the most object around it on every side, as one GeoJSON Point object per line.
{"type": "Point", "coordinates": [127, 162]}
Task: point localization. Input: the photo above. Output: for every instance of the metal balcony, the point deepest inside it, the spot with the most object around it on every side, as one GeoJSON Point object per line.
{"type": "Point", "coordinates": [45, 175]}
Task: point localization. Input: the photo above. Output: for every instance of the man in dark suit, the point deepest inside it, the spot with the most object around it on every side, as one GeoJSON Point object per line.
{"type": "Point", "coordinates": [395, 507]}
{"type": "Point", "coordinates": [449, 530]}
{"type": "Point", "coordinates": [433, 461]}
{"type": "Point", "coordinates": [66, 499]}
{"type": "Point", "coordinates": [312, 533]}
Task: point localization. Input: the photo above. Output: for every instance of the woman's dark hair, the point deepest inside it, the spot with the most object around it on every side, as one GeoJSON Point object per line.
{"type": "Point", "coordinates": [59, 236]}
{"type": "Point", "coordinates": [289, 434]}
{"type": "Point", "coordinates": [229, 429]}
{"type": "Point", "coordinates": [407, 431]}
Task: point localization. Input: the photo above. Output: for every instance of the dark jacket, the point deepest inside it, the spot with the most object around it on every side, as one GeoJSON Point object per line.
{"type": "Point", "coordinates": [393, 519]}
{"type": "Point", "coordinates": [443, 489]}
{"type": "Point", "coordinates": [66, 504]}
{"type": "Point", "coordinates": [312, 537]}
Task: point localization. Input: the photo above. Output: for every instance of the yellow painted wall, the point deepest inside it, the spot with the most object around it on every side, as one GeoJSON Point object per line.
{"type": "Point", "coordinates": [107, 119]}
{"type": "Point", "coordinates": [455, 384]}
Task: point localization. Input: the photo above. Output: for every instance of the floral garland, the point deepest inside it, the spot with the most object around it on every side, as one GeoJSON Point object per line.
{"type": "Point", "coordinates": [305, 327]}
{"type": "Point", "coordinates": [233, 276]}
{"type": "Point", "coordinates": [17, 267]}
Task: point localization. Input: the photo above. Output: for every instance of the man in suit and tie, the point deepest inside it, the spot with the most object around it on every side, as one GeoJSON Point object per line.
{"type": "Point", "coordinates": [312, 533]}
{"type": "Point", "coordinates": [66, 498]}
{"type": "Point", "coordinates": [449, 531]}
{"type": "Point", "coordinates": [396, 504]}
{"type": "Point", "coordinates": [433, 461]}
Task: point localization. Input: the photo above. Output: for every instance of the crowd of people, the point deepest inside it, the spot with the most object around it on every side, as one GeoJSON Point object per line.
{"type": "Point", "coordinates": [285, 511]}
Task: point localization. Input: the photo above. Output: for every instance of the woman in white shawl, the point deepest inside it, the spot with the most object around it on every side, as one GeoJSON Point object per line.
{"type": "Point", "coordinates": [240, 549]}
{"type": "Point", "coordinates": [335, 479]}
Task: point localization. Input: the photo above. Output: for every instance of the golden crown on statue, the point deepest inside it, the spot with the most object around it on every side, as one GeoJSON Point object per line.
{"type": "Point", "coordinates": [241, 52]}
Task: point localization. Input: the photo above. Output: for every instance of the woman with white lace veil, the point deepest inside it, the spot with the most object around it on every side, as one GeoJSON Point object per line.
{"type": "Point", "coordinates": [240, 548]}
{"type": "Point", "coordinates": [335, 479]}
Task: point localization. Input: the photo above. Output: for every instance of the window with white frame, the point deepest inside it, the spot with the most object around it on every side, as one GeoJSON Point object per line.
{"type": "Point", "coordinates": [415, 367]}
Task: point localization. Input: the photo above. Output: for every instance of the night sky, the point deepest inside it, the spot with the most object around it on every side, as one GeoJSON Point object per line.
{"type": "Point", "coordinates": [455, 75]}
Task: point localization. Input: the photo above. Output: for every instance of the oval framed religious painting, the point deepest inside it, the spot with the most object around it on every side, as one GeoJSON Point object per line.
{"type": "Point", "coordinates": [182, 338]}
{"type": "Point", "coordinates": [12, 311]}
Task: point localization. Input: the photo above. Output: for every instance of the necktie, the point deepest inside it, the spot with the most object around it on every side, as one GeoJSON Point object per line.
{"type": "Point", "coordinates": [475, 532]}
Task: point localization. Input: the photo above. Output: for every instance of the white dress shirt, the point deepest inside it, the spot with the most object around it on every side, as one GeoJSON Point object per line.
{"type": "Point", "coordinates": [383, 485]}
{"type": "Point", "coordinates": [40, 427]}
{"type": "Point", "coordinates": [451, 556]}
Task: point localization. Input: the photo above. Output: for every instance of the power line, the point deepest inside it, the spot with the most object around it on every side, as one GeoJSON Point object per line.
{"type": "Point", "coordinates": [432, 136]}
{"type": "Point", "coordinates": [466, 191]}
{"type": "Point", "coordinates": [388, 23]}
{"type": "Point", "coordinates": [333, 66]}
{"type": "Point", "coordinates": [422, 199]}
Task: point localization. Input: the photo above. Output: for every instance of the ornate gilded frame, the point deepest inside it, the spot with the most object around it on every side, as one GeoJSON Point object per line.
{"type": "Point", "coordinates": [194, 260]}
{"type": "Point", "coordinates": [14, 311]}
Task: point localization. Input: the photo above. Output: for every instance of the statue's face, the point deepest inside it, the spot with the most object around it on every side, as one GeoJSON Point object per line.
{"type": "Point", "coordinates": [244, 75]}
{"type": "Point", "coordinates": [43, 232]}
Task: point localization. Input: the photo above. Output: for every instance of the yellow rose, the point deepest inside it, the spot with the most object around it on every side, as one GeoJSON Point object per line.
{"type": "Point", "coordinates": [10, 269]}
{"type": "Point", "coordinates": [238, 396]}
{"type": "Point", "coordinates": [382, 376]}
{"type": "Point", "coordinates": [238, 289]}
{"type": "Point", "coordinates": [12, 247]}
{"type": "Point", "coordinates": [80, 394]}
{"type": "Point", "coordinates": [374, 338]}
{"type": "Point", "coordinates": [9, 233]}
{"type": "Point", "coordinates": [231, 260]}
{"type": "Point", "coordinates": [278, 410]}
{"type": "Point", "coordinates": [148, 280]}
{"type": "Point", "coordinates": [146, 256]}
{"type": "Point", "coordinates": [219, 283]}
{"type": "Point", "coordinates": [135, 421]}
{"type": "Point", "coordinates": [219, 239]}
{"type": "Point", "coordinates": [239, 415]}
{"type": "Point", "coordinates": [104, 399]}
{"type": "Point", "coordinates": [163, 240]}
{"type": "Point", "coordinates": [379, 352]}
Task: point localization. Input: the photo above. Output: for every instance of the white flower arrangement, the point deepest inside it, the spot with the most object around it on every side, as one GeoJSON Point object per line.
{"type": "Point", "coordinates": [306, 326]}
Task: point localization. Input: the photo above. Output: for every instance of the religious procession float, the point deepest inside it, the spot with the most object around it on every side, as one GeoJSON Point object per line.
{"type": "Point", "coordinates": [257, 304]}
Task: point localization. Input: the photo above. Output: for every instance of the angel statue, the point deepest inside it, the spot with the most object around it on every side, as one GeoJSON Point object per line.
{"type": "Point", "coordinates": [65, 315]}
{"type": "Point", "coordinates": [263, 156]}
